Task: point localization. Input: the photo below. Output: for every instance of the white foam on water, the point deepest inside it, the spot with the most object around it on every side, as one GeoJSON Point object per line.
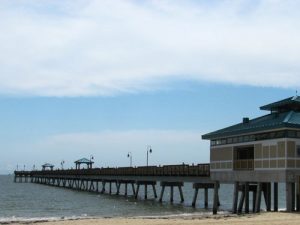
{"type": "Point", "coordinates": [14, 219]}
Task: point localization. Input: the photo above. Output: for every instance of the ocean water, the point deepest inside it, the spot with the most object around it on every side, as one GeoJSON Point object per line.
{"type": "Point", "coordinates": [29, 201]}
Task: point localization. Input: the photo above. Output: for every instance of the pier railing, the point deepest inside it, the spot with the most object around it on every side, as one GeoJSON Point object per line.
{"type": "Point", "coordinates": [166, 170]}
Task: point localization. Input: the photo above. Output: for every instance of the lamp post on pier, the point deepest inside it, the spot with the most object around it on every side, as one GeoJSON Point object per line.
{"type": "Point", "coordinates": [149, 150]}
{"type": "Point", "coordinates": [129, 155]}
{"type": "Point", "coordinates": [91, 158]}
{"type": "Point", "coordinates": [62, 164]}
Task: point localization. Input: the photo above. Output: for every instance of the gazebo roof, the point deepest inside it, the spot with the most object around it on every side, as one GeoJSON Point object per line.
{"type": "Point", "coordinates": [83, 161]}
{"type": "Point", "coordinates": [47, 165]}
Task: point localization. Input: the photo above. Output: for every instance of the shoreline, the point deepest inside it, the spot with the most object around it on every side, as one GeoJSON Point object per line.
{"type": "Point", "coordinates": [264, 218]}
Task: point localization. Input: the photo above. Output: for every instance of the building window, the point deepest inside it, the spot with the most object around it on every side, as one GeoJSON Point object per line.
{"type": "Point", "coordinates": [256, 137]}
{"type": "Point", "coordinates": [298, 150]}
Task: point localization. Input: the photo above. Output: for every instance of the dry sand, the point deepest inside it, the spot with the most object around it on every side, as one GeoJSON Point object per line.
{"type": "Point", "coordinates": [279, 218]}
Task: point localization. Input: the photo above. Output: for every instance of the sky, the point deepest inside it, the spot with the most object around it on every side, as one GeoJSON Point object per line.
{"type": "Point", "coordinates": [81, 78]}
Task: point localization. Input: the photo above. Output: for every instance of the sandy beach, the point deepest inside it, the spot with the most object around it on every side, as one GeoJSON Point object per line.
{"type": "Point", "coordinates": [279, 218]}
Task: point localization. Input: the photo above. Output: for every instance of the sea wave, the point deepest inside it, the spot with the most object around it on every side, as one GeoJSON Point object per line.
{"type": "Point", "coordinates": [27, 220]}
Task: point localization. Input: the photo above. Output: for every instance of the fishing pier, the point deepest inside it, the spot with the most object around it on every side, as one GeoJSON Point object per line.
{"type": "Point", "coordinates": [254, 156]}
{"type": "Point", "coordinates": [101, 180]}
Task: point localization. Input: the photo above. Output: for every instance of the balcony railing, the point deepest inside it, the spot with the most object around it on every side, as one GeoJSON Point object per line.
{"type": "Point", "coordinates": [244, 164]}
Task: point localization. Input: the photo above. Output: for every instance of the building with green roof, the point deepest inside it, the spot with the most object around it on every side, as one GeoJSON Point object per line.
{"type": "Point", "coordinates": [263, 149]}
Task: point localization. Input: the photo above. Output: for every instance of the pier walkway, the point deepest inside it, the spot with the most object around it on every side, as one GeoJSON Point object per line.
{"type": "Point", "coordinates": [97, 179]}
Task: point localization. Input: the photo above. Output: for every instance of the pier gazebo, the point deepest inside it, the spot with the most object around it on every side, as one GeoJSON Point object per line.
{"type": "Point", "coordinates": [47, 166]}
{"type": "Point", "coordinates": [260, 152]}
{"type": "Point", "coordinates": [84, 161]}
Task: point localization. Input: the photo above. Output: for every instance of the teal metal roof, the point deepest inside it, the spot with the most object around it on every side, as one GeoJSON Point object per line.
{"type": "Point", "coordinates": [284, 114]}
{"type": "Point", "coordinates": [292, 103]}
{"type": "Point", "coordinates": [84, 160]}
{"type": "Point", "coordinates": [272, 121]}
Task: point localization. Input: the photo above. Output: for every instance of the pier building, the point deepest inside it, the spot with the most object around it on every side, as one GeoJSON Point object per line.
{"type": "Point", "coordinates": [262, 150]}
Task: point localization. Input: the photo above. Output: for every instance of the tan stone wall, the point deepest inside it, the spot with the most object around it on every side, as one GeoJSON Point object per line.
{"type": "Point", "coordinates": [266, 151]}
{"type": "Point", "coordinates": [221, 154]}
{"type": "Point", "coordinates": [265, 155]}
{"type": "Point", "coordinates": [291, 149]}
{"type": "Point", "coordinates": [273, 151]}
{"type": "Point", "coordinates": [293, 160]}
{"type": "Point", "coordinates": [281, 149]}
{"type": "Point", "coordinates": [220, 165]}
{"type": "Point", "coordinates": [258, 151]}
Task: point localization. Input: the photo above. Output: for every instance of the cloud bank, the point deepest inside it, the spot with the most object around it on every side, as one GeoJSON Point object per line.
{"type": "Point", "coordinates": [96, 48]}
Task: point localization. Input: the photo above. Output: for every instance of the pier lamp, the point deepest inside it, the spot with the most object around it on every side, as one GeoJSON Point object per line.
{"type": "Point", "coordinates": [91, 158]}
{"type": "Point", "coordinates": [129, 155]}
{"type": "Point", "coordinates": [62, 164]}
{"type": "Point", "coordinates": [149, 150]}
{"type": "Point", "coordinates": [24, 168]}
{"type": "Point", "coordinates": [17, 167]}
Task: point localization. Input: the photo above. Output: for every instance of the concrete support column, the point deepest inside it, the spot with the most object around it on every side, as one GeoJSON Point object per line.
{"type": "Point", "coordinates": [181, 194]}
{"type": "Point", "coordinates": [235, 197]}
{"type": "Point", "coordinates": [195, 197]}
{"type": "Point", "coordinates": [162, 193]}
{"type": "Point", "coordinates": [241, 203]}
{"type": "Point", "coordinates": [137, 191]}
{"type": "Point", "coordinates": [246, 197]}
{"type": "Point", "coordinates": [275, 190]}
{"type": "Point", "coordinates": [126, 189]}
{"type": "Point", "coordinates": [133, 189]}
{"type": "Point", "coordinates": [205, 197]}
{"type": "Point", "coordinates": [216, 197]}
{"type": "Point", "coordinates": [289, 196]}
{"type": "Point", "coordinates": [298, 194]}
{"type": "Point", "coordinates": [146, 191]}
{"type": "Point", "coordinates": [172, 194]}
{"type": "Point", "coordinates": [258, 198]}
{"type": "Point", "coordinates": [154, 191]}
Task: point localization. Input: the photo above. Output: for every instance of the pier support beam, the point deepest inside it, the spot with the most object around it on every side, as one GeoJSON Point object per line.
{"type": "Point", "coordinates": [258, 197]}
{"type": "Point", "coordinates": [126, 182]}
{"type": "Point", "coordinates": [205, 187]}
{"type": "Point", "coordinates": [290, 197]}
{"type": "Point", "coordinates": [103, 187]}
{"type": "Point", "coordinates": [242, 199]}
{"type": "Point", "coordinates": [145, 183]}
{"type": "Point", "coordinates": [216, 197]}
{"type": "Point", "coordinates": [267, 195]}
{"type": "Point", "coordinates": [162, 193]}
{"type": "Point", "coordinates": [275, 193]}
{"type": "Point", "coordinates": [171, 185]}
{"type": "Point", "coordinates": [235, 197]}
{"type": "Point", "coordinates": [298, 194]}
{"type": "Point", "coordinates": [246, 197]}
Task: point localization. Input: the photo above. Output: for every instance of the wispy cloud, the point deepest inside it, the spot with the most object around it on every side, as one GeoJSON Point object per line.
{"type": "Point", "coordinates": [83, 48]}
